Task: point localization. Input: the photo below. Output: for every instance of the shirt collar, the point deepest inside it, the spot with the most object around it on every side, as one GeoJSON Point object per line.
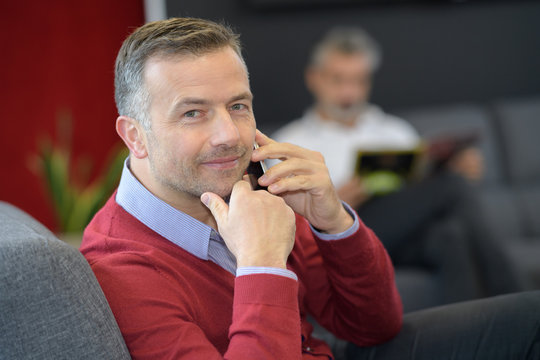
{"type": "Point", "coordinates": [174, 225]}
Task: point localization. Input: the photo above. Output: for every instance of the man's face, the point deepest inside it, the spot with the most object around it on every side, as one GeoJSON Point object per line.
{"type": "Point", "coordinates": [202, 123]}
{"type": "Point", "coordinates": [340, 84]}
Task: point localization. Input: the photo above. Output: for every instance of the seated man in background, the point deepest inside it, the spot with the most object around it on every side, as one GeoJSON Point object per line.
{"type": "Point", "coordinates": [435, 223]}
{"type": "Point", "coordinates": [197, 265]}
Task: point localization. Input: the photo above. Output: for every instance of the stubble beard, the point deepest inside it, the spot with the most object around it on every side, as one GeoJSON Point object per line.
{"type": "Point", "coordinates": [184, 175]}
{"type": "Point", "coordinates": [346, 114]}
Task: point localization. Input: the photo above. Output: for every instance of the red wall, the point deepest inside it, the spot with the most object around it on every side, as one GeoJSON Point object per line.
{"type": "Point", "coordinates": [57, 56]}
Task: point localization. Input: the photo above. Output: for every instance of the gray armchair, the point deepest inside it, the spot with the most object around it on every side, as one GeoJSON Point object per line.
{"type": "Point", "coordinates": [51, 305]}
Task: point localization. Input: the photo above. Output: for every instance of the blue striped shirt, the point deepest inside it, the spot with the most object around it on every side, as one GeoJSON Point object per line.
{"type": "Point", "coordinates": [189, 233]}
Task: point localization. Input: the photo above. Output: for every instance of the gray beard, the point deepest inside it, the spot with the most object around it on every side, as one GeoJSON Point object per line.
{"type": "Point", "coordinates": [343, 114]}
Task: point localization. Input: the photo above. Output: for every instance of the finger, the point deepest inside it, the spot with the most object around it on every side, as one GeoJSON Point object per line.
{"type": "Point", "coordinates": [284, 151]}
{"type": "Point", "coordinates": [239, 190]}
{"type": "Point", "coordinates": [216, 205]}
{"type": "Point", "coordinates": [290, 168]}
{"type": "Point", "coordinates": [261, 139]}
{"type": "Point", "coordinates": [251, 179]}
{"type": "Point", "coordinates": [241, 185]}
{"type": "Point", "coordinates": [294, 183]}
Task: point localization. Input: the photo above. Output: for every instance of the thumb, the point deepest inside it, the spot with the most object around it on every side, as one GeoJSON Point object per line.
{"type": "Point", "coordinates": [216, 205]}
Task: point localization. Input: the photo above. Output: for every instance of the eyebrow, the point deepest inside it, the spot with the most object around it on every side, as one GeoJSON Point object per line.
{"type": "Point", "coordinates": [190, 101]}
{"type": "Point", "coordinates": [244, 96]}
{"type": "Point", "coordinates": [187, 101]}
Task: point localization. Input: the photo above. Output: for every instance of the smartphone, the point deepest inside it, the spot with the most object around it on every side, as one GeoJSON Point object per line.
{"type": "Point", "coordinates": [255, 170]}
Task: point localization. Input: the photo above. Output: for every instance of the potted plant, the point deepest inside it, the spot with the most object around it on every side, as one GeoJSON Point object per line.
{"type": "Point", "coordinates": [74, 197]}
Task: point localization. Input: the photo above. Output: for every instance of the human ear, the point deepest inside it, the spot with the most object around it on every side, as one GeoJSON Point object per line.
{"type": "Point", "coordinates": [133, 135]}
{"type": "Point", "coordinates": [310, 78]}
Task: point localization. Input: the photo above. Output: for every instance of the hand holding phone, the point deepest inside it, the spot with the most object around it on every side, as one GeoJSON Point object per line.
{"type": "Point", "coordinates": [302, 179]}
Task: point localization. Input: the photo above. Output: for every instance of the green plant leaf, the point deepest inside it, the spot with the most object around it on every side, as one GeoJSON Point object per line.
{"type": "Point", "coordinates": [76, 204]}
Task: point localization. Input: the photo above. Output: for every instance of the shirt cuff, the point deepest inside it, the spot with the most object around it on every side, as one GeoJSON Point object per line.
{"type": "Point", "coordinates": [250, 270]}
{"type": "Point", "coordinates": [342, 235]}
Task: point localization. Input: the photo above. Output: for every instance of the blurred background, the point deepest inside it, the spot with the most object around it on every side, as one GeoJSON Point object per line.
{"type": "Point", "coordinates": [437, 51]}
{"type": "Point", "coordinates": [58, 60]}
{"type": "Point", "coordinates": [57, 69]}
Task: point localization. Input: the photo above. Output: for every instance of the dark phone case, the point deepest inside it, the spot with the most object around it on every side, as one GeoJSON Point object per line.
{"type": "Point", "coordinates": [255, 171]}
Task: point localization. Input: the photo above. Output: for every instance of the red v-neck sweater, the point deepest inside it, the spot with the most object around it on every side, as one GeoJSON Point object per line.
{"type": "Point", "coordinates": [170, 304]}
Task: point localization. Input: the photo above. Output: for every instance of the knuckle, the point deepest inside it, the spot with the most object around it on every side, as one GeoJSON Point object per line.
{"type": "Point", "coordinates": [302, 181]}
{"type": "Point", "coordinates": [318, 156]}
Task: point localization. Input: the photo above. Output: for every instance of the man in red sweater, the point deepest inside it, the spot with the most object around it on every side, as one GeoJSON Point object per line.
{"type": "Point", "coordinates": [190, 274]}
{"type": "Point", "coordinates": [196, 264]}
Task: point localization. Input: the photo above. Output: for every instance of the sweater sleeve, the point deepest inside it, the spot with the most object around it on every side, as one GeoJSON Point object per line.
{"type": "Point", "coordinates": [266, 319]}
{"type": "Point", "coordinates": [350, 286]}
{"type": "Point", "coordinates": [161, 318]}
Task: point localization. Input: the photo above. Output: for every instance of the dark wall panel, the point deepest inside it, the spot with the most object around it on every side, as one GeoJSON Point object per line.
{"type": "Point", "coordinates": [434, 52]}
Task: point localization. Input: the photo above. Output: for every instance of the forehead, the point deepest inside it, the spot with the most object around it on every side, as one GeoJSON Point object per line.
{"type": "Point", "coordinates": [219, 71]}
{"type": "Point", "coordinates": [335, 60]}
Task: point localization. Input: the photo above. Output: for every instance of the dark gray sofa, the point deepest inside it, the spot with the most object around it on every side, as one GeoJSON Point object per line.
{"type": "Point", "coordinates": [51, 305]}
{"type": "Point", "coordinates": [510, 192]}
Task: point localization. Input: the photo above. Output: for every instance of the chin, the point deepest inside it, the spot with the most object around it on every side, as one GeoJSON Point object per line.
{"type": "Point", "coordinates": [345, 113]}
{"type": "Point", "coordinates": [220, 184]}
{"type": "Point", "coordinates": [224, 193]}
{"type": "Point", "coordinates": [224, 188]}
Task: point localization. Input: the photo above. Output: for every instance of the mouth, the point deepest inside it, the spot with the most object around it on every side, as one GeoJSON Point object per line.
{"type": "Point", "coordinates": [223, 163]}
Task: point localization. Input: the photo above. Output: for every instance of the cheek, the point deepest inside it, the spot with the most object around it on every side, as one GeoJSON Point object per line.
{"type": "Point", "coordinates": [187, 148]}
{"type": "Point", "coordinates": [326, 89]}
{"type": "Point", "coordinates": [178, 147]}
{"type": "Point", "coordinates": [335, 91]}
{"type": "Point", "coordinates": [246, 128]}
{"type": "Point", "coordinates": [365, 88]}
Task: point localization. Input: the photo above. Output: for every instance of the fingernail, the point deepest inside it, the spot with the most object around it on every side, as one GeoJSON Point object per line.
{"type": "Point", "coordinates": [205, 199]}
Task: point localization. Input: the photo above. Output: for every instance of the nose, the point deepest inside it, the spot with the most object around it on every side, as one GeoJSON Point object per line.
{"type": "Point", "coordinates": [224, 129]}
{"type": "Point", "coordinates": [349, 91]}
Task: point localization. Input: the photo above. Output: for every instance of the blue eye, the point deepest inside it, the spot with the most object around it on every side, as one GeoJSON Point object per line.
{"type": "Point", "coordinates": [192, 113]}
{"type": "Point", "coordinates": [237, 107]}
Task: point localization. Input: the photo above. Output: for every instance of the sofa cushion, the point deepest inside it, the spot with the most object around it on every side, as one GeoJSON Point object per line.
{"type": "Point", "coordinates": [525, 253]}
{"type": "Point", "coordinates": [519, 124]}
{"type": "Point", "coordinates": [52, 305]}
{"type": "Point", "coordinates": [529, 203]}
{"type": "Point", "coordinates": [501, 207]}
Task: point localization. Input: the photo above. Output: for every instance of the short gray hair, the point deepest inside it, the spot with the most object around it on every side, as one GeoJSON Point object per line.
{"type": "Point", "coordinates": [164, 38]}
{"type": "Point", "coordinates": [347, 40]}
